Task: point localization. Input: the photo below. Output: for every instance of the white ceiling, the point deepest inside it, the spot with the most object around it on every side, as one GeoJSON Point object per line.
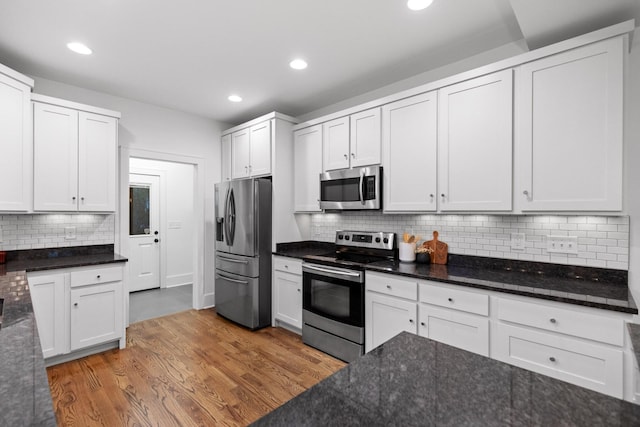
{"type": "Point", "coordinates": [191, 54]}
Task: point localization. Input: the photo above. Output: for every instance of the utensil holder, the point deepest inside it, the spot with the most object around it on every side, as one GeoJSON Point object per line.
{"type": "Point", "coordinates": [407, 252]}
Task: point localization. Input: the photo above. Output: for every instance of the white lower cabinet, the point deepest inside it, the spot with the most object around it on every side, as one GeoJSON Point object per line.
{"type": "Point", "coordinates": [287, 292]}
{"type": "Point", "coordinates": [466, 331]}
{"type": "Point", "coordinates": [48, 299]}
{"type": "Point", "coordinates": [576, 346]}
{"type": "Point", "coordinates": [390, 307]}
{"type": "Point", "coordinates": [78, 308]}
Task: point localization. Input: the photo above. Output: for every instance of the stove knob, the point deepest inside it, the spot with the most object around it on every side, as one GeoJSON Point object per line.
{"type": "Point", "coordinates": [377, 240]}
{"type": "Point", "coordinates": [340, 237]}
{"type": "Point", "coordinates": [385, 240]}
{"type": "Point", "coordinates": [346, 237]}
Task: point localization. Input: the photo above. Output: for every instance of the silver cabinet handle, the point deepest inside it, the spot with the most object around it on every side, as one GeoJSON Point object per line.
{"type": "Point", "coordinates": [238, 261]}
{"type": "Point", "coordinates": [244, 282]}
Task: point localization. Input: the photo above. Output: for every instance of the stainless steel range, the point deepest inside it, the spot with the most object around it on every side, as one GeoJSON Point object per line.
{"type": "Point", "coordinates": [333, 292]}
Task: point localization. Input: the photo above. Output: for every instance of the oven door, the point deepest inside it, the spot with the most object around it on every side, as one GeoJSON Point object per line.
{"type": "Point", "coordinates": [351, 189]}
{"type": "Point", "coordinates": [334, 293]}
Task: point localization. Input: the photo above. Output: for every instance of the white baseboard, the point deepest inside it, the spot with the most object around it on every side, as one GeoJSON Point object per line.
{"type": "Point", "coordinates": [179, 280]}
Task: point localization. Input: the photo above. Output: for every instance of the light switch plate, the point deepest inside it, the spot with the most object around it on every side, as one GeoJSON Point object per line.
{"type": "Point", "coordinates": [562, 244]}
{"type": "Point", "coordinates": [518, 241]}
{"type": "Point", "coordinates": [69, 233]}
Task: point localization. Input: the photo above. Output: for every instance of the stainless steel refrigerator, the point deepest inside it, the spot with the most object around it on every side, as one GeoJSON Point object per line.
{"type": "Point", "coordinates": [243, 251]}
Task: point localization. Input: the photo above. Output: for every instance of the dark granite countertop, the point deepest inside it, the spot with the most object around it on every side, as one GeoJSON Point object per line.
{"type": "Point", "coordinates": [592, 287]}
{"type": "Point", "coordinates": [410, 381]}
{"type": "Point", "coordinates": [634, 333]}
{"type": "Point", "coordinates": [25, 398]}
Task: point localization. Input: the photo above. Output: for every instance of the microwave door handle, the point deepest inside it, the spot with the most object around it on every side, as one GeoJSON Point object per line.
{"type": "Point", "coordinates": [361, 185]}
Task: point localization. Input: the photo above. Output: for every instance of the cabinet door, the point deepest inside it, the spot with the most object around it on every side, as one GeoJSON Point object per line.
{"type": "Point", "coordinates": [97, 152]}
{"type": "Point", "coordinates": [307, 148]}
{"type": "Point", "coordinates": [570, 112]}
{"type": "Point", "coordinates": [288, 298]}
{"type": "Point", "coordinates": [475, 144]}
{"type": "Point", "coordinates": [47, 296]}
{"type": "Point", "coordinates": [240, 150]}
{"type": "Point", "coordinates": [260, 149]}
{"type": "Point", "coordinates": [16, 164]}
{"type": "Point", "coordinates": [409, 154]}
{"type": "Point", "coordinates": [466, 331]}
{"type": "Point", "coordinates": [226, 157]}
{"type": "Point", "coordinates": [55, 163]}
{"type": "Point", "coordinates": [96, 314]}
{"type": "Point", "coordinates": [335, 144]}
{"type": "Point", "coordinates": [365, 138]}
{"type": "Point", "coordinates": [386, 317]}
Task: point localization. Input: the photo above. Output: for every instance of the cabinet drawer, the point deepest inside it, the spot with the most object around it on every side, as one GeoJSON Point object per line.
{"type": "Point", "coordinates": [386, 284]}
{"type": "Point", "coordinates": [288, 265]}
{"type": "Point", "coordinates": [93, 276]}
{"type": "Point", "coordinates": [466, 331]}
{"type": "Point", "coordinates": [450, 297]}
{"type": "Point", "coordinates": [592, 366]}
{"type": "Point", "coordinates": [565, 321]}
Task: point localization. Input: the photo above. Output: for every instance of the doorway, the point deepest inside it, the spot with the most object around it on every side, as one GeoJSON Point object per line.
{"type": "Point", "coordinates": [161, 236]}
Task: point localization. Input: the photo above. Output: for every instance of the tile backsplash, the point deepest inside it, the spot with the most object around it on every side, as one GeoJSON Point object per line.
{"type": "Point", "coordinates": [603, 241]}
{"type": "Point", "coordinates": [48, 230]}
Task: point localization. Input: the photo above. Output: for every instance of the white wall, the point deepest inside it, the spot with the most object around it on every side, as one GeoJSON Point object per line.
{"type": "Point", "coordinates": [148, 127]}
{"type": "Point", "coordinates": [176, 218]}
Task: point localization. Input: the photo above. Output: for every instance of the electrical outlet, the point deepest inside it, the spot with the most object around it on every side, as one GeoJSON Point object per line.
{"type": "Point", "coordinates": [518, 241]}
{"type": "Point", "coordinates": [69, 233]}
{"type": "Point", "coordinates": [562, 244]}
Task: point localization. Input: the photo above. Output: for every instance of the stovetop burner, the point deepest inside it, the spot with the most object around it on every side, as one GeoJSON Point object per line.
{"type": "Point", "coordinates": [355, 249]}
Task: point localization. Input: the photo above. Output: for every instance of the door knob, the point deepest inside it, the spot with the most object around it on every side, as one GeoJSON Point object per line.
{"type": "Point", "coordinates": [156, 240]}
{"type": "Point", "coordinates": [155, 232]}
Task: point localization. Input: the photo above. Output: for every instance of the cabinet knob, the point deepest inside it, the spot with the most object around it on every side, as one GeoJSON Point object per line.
{"type": "Point", "coordinates": [410, 320]}
{"type": "Point", "coordinates": [98, 276]}
{"type": "Point", "coordinates": [525, 192]}
{"type": "Point", "coordinates": [353, 156]}
{"type": "Point", "coordinates": [75, 304]}
{"type": "Point", "coordinates": [286, 266]}
{"type": "Point", "coordinates": [422, 324]}
{"type": "Point", "coordinates": [552, 359]}
{"type": "Point", "coordinates": [82, 199]}
{"type": "Point", "coordinates": [431, 196]}
{"type": "Point", "coordinates": [442, 195]}
{"type": "Point", "coordinates": [346, 157]}
{"type": "Point", "coordinates": [388, 286]}
{"type": "Point", "coordinates": [298, 289]}
{"type": "Point", "coordinates": [73, 198]}
{"type": "Point", "coordinates": [450, 299]}
{"type": "Point", "coordinates": [552, 320]}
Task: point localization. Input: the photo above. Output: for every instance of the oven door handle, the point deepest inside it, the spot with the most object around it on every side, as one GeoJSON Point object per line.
{"type": "Point", "coordinates": [347, 275]}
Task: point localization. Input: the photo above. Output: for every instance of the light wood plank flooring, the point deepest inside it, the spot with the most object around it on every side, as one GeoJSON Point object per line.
{"type": "Point", "coordinates": [193, 368]}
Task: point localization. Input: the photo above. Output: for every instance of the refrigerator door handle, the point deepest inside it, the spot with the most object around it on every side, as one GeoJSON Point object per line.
{"type": "Point", "coordinates": [220, 276]}
{"type": "Point", "coordinates": [239, 261]}
{"type": "Point", "coordinates": [231, 218]}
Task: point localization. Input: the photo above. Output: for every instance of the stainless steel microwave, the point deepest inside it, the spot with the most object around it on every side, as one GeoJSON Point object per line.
{"type": "Point", "coordinates": [351, 189]}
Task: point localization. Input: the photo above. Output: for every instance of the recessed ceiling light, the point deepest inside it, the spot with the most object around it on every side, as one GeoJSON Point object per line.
{"type": "Point", "coordinates": [79, 48]}
{"type": "Point", "coordinates": [298, 64]}
{"type": "Point", "coordinates": [234, 98]}
{"type": "Point", "coordinates": [418, 4]}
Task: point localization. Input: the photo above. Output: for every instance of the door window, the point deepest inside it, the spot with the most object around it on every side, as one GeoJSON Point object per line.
{"type": "Point", "coordinates": [139, 214]}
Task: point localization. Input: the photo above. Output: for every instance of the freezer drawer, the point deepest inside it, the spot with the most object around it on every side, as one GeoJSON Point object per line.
{"type": "Point", "coordinates": [238, 264]}
{"type": "Point", "coordinates": [237, 299]}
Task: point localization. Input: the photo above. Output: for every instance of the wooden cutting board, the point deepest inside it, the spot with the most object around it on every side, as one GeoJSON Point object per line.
{"type": "Point", "coordinates": [440, 250]}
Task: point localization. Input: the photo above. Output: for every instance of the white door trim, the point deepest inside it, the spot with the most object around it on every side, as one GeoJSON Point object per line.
{"type": "Point", "coordinates": [122, 242]}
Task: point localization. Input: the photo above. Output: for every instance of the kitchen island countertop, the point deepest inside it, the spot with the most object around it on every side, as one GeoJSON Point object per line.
{"type": "Point", "coordinates": [411, 380]}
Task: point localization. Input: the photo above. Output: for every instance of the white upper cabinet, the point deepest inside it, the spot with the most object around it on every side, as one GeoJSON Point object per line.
{"type": "Point", "coordinates": [409, 147]}
{"type": "Point", "coordinates": [352, 141]}
{"type": "Point", "coordinates": [475, 144]}
{"type": "Point", "coordinates": [240, 149]}
{"type": "Point", "coordinates": [335, 142]}
{"type": "Point", "coordinates": [365, 138]}
{"type": "Point", "coordinates": [251, 151]}
{"type": "Point", "coordinates": [307, 147]}
{"type": "Point", "coordinates": [15, 136]}
{"type": "Point", "coordinates": [570, 131]}
{"type": "Point", "coordinates": [55, 145]}
{"type": "Point", "coordinates": [226, 157]}
{"type": "Point", "coordinates": [97, 162]}
{"type": "Point", "coordinates": [75, 166]}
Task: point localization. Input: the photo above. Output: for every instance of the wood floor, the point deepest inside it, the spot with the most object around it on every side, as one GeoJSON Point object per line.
{"type": "Point", "coordinates": [189, 369]}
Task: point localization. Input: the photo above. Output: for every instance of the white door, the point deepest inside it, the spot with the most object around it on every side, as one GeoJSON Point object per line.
{"type": "Point", "coordinates": [144, 237]}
